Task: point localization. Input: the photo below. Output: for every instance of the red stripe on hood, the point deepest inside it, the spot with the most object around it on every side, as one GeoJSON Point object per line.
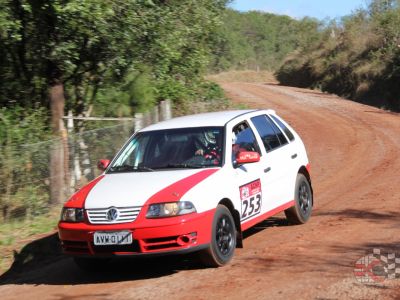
{"type": "Point", "coordinates": [175, 191]}
{"type": "Point", "coordinates": [77, 200]}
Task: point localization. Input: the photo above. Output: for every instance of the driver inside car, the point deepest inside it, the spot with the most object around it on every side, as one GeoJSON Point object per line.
{"type": "Point", "coordinates": [209, 148]}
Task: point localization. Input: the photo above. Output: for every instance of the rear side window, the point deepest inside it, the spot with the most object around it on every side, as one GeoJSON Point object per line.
{"type": "Point", "coordinates": [287, 131]}
{"type": "Point", "coordinates": [271, 135]}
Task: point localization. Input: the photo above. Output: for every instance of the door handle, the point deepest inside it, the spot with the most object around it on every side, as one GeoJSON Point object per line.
{"type": "Point", "coordinates": [294, 156]}
{"type": "Point", "coordinates": [267, 170]}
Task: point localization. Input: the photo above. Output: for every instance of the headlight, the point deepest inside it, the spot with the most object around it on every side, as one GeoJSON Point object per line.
{"type": "Point", "coordinates": [72, 215]}
{"type": "Point", "coordinates": [162, 210]}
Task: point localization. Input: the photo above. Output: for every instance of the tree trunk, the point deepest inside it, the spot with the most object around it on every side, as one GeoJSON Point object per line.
{"type": "Point", "coordinates": [58, 152]}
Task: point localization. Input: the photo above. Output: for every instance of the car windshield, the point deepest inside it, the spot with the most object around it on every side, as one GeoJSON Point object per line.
{"type": "Point", "coordinates": [183, 148]}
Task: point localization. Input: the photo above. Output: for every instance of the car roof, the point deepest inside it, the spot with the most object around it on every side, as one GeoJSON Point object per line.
{"type": "Point", "coordinates": [200, 120]}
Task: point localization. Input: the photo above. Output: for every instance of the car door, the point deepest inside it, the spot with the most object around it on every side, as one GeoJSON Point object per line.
{"type": "Point", "coordinates": [248, 176]}
{"type": "Point", "coordinates": [276, 164]}
{"type": "Point", "coordinates": [291, 152]}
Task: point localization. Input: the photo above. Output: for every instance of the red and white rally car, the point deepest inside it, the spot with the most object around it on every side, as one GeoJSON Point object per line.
{"type": "Point", "coordinates": [193, 183]}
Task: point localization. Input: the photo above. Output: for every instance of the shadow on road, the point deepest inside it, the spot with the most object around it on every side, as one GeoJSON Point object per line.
{"type": "Point", "coordinates": [42, 262]}
{"type": "Point", "coordinates": [373, 216]}
{"type": "Point", "coordinates": [270, 222]}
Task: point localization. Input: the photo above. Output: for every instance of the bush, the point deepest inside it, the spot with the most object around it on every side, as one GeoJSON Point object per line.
{"type": "Point", "coordinates": [22, 162]}
{"type": "Point", "coordinates": [357, 59]}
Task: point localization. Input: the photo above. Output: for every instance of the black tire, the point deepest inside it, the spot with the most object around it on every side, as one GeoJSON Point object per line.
{"type": "Point", "coordinates": [90, 264]}
{"type": "Point", "coordinates": [303, 198]}
{"type": "Point", "coordinates": [223, 239]}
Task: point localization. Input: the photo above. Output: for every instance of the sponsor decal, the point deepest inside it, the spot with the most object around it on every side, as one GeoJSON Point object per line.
{"type": "Point", "coordinates": [377, 266]}
{"type": "Point", "coordinates": [251, 199]}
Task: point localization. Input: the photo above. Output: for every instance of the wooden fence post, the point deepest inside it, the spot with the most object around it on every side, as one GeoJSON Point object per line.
{"type": "Point", "coordinates": [165, 110]}
{"type": "Point", "coordinates": [138, 122]}
{"type": "Point", "coordinates": [155, 116]}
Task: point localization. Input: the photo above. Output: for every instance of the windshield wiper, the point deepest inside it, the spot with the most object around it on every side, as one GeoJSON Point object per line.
{"type": "Point", "coordinates": [144, 168]}
{"type": "Point", "coordinates": [128, 168]}
{"type": "Point", "coordinates": [181, 166]}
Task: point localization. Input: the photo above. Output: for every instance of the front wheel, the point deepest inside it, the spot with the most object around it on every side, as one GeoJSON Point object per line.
{"type": "Point", "coordinates": [223, 239]}
{"type": "Point", "coordinates": [303, 198]}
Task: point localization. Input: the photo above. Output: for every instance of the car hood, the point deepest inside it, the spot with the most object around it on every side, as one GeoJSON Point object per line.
{"type": "Point", "coordinates": [136, 188]}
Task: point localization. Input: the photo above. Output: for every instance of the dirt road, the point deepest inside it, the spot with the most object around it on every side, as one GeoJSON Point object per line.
{"type": "Point", "coordinates": [355, 158]}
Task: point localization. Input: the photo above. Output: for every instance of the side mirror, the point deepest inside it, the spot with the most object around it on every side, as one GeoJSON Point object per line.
{"type": "Point", "coordinates": [247, 157]}
{"type": "Point", "coordinates": [103, 164]}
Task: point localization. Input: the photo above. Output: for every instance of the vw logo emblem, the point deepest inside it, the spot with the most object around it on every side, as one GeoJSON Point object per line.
{"type": "Point", "coordinates": [112, 214]}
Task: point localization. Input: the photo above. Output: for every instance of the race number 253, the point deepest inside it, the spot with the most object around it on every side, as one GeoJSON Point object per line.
{"type": "Point", "coordinates": [250, 195]}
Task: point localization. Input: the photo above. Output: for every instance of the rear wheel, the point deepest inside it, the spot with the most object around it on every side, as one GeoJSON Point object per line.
{"type": "Point", "coordinates": [223, 239]}
{"type": "Point", "coordinates": [301, 212]}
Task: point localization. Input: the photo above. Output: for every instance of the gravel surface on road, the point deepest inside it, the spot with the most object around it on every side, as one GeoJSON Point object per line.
{"type": "Point", "coordinates": [355, 161]}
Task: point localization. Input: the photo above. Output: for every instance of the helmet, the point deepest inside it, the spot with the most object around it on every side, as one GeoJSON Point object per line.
{"type": "Point", "coordinates": [210, 137]}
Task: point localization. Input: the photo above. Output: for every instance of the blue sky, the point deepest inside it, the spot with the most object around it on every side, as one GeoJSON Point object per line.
{"type": "Point", "coordinates": [319, 9]}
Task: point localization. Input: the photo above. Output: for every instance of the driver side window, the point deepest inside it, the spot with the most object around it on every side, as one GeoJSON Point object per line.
{"type": "Point", "coordinates": [243, 140]}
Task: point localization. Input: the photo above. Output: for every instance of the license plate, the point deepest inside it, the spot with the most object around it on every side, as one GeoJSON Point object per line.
{"type": "Point", "coordinates": [112, 238]}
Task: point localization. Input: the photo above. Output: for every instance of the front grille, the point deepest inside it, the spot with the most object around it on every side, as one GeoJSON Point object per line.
{"type": "Point", "coordinates": [75, 247]}
{"type": "Point", "coordinates": [125, 215]}
{"type": "Point", "coordinates": [161, 243]}
{"type": "Point", "coordinates": [113, 249]}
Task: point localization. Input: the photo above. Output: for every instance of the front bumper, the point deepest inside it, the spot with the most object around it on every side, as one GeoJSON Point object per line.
{"type": "Point", "coordinates": [150, 236]}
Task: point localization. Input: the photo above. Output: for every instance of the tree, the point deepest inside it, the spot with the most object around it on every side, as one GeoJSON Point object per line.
{"type": "Point", "coordinates": [381, 6]}
{"type": "Point", "coordinates": [52, 43]}
{"type": "Point", "coordinates": [359, 61]}
{"type": "Point", "coordinates": [63, 52]}
{"type": "Point", "coordinates": [257, 40]}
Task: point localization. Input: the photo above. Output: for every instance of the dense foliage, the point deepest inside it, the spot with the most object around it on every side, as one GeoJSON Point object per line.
{"type": "Point", "coordinates": [90, 57]}
{"type": "Point", "coordinates": [256, 40]}
{"type": "Point", "coordinates": [21, 162]}
{"type": "Point", "coordinates": [358, 58]}
{"type": "Point", "coordinates": [98, 49]}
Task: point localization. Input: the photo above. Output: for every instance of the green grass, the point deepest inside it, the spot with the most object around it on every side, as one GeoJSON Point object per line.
{"type": "Point", "coordinates": [241, 106]}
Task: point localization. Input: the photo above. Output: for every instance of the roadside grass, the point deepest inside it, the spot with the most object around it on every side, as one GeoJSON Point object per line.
{"type": "Point", "coordinates": [16, 234]}
{"type": "Point", "coordinates": [197, 107]}
{"type": "Point", "coordinates": [243, 76]}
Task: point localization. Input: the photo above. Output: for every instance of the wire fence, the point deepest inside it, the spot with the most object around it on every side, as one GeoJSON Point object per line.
{"type": "Point", "coordinates": [31, 184]}
{"type": "Point", "coordinates": [26, 176]}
